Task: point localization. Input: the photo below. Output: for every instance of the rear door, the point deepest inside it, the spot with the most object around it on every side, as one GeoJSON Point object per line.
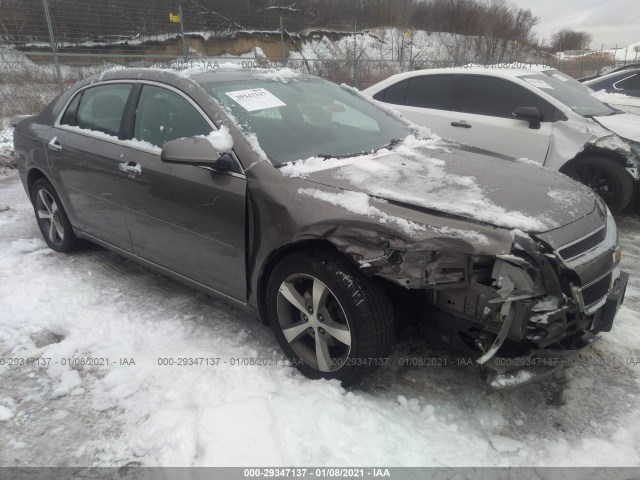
{"type": "Point", "coordinates": [84, 155]}
{"type": "Point", "coordinates": [482, 108]}
{"type": "Point", "coordinates": [186, 218]}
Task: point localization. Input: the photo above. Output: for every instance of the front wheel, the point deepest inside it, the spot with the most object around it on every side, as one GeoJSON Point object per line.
{"type": "Point", "coordinates": [607, 178]}
{"type": "Point", "coordinates": [330, 320]}
{"type": "Point", "coordinates": [51, 217]}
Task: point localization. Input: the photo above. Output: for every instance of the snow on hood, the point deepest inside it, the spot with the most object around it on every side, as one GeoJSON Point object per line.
{"type": "Point", "coordinates": [479, 187]}
{"type": "Point", "coordinates": [625, 125]}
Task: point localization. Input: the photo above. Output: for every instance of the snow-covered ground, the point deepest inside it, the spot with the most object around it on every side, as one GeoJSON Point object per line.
{"type": "Point", "coordinates": [102, 313]}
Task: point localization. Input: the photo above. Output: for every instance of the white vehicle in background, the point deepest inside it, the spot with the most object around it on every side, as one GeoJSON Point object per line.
{"type": "Point", "coordinates": [542, 115]}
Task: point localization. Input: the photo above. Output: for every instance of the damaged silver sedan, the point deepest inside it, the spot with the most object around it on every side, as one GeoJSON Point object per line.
{"type": "Point", "coordinates": [332, 219]}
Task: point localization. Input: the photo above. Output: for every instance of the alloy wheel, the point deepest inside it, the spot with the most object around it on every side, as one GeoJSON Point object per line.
{"type": "Point", "coordinates": [49, 217]}
{"type": "Point", "coordinates": [313, 322]}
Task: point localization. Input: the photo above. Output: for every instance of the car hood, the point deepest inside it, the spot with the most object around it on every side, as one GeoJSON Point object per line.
{"type": "Point", "coordinates": [625, 125]}
{"type": "Point", "coordinates": [427, 175]}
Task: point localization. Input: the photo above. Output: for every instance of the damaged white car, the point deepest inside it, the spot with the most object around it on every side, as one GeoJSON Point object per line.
{"type": "Point", "coordinates": [542, 115]}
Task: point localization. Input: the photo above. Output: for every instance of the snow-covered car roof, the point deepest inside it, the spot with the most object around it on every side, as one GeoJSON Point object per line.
{"type": "Point", "coordinates": [491, 70]}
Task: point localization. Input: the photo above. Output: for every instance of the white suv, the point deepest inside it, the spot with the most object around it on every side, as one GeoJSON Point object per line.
{"type": "Point", "coordinates": [542, 115]}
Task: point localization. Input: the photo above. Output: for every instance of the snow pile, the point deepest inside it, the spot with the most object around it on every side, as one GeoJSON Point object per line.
{"type": "Point", "coordinates": [509, 380]}
{"type": "Point", "coordinates": [221, 140]}
{"type": "Point", "coordinates": [426, 182]}
{"type": "Point", "coordinates": [566, 199]}
{"type": "Point", "coordinates": [391, 43]}
{"type": "Point", "coordinates": [5, 413]}
{"type": "Point", "coordinates": [6, 135]}
{"type": "Point", "coordinates": [604, 96]}
{"type": "Point", "coordinates": [422, 181]}
{"type": "Point", "coordinates": [204, 65]}
{"type": "Point", "coordinates": [629, 53]}
{"type": "Point", "coordinates": [7, 159]}
{"type": "Point", "coordinates": [529, 162]}
{"type": "Point", "coordinates": [358, 203]}
{"type": "Point", "coordinates": [284, 75]}
{"type": "Point", "coordinates": [475, 237]}
{"type": "Point", "coordinates": [105, 136]}
{"type": "Point", "coordinates": [302, 168]}
{"type": "Point", "coordinates": [95, 305]}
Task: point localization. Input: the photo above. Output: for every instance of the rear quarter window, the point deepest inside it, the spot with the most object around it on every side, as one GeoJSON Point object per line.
{"type": "Point", "coordinates": [69, 117]}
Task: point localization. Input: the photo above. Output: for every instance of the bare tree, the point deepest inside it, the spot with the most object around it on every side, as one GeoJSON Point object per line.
{"type": "Point", "coordinates": [567, 39]}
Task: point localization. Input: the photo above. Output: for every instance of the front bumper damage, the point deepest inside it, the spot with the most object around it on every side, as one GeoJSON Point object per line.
{"type": "Point", "coordinates": [508, 372]}
{"type": "Point", "coordinates": [522, 314]}
{"type": "Point", "coordinates": [583, 291]}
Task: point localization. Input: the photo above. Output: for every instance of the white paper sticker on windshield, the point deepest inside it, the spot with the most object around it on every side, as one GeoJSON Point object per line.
{"type": "Point", "coordinates": [256, 99]}
{"type": "Point", "coordinates": [536, 82]}
{"type": "Point", "coordinates": [560, 77]}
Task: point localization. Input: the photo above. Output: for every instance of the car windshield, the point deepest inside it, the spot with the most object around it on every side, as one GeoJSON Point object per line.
{"type": "Point", "coordinates": [307, 117]}
{"type": "Point", "coordinates": [570, 92]}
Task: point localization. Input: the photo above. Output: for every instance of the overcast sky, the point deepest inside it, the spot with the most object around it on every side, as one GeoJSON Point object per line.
{"type": "Point", "coordinates": [609, 21]}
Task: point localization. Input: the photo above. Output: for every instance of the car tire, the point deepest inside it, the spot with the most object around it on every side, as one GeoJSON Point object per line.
{"type": "Point", "coordinates": [352, 330]}
{"type": "Point", "coordinates": [52, 218]}
{"type": "Point", "coordinates": [606, 177]}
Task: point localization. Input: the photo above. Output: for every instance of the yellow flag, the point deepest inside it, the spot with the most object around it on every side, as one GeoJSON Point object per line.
{"type": "Point", "coordinates": [174, 18]}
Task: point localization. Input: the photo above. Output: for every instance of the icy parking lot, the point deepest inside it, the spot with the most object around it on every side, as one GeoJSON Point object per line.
{"type": "Point", "coordinates": [85, 340]}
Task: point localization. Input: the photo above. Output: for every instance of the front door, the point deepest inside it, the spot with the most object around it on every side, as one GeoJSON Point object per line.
{"type": "Point", "coordinates": [482, 115]}
{"type": "Point", "coordinates": [189, 219]}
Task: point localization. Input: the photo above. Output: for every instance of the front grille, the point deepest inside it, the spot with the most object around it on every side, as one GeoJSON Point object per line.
{"type": "Point", "coordinates": [584, 245]}
{"type": "Point", "coordinates": [597, 291]}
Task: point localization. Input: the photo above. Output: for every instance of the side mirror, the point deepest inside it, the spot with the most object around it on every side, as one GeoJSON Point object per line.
{"type": "Point", "coordinates": [529, 114]}
{"type": "Point", "coordinates": [190, 151]}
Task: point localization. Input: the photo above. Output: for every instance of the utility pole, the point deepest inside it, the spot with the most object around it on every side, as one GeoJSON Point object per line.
{"type": "Point", "coordinates": [281, 41]}
{"type": "Point", "coordinates": [411, 52]}
{"type": "Point", "coordinates": [355, 54]}
{"type": "Point", "coordinates": [184, 49]}
{"type": "Point", "coordinates": [54, 45]}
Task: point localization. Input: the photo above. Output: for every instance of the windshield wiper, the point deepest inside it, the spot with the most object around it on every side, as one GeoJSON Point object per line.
{"type": "Point", "coordinates": [392, 143]}
{"type": "Point", "coordinates": [327, 156]}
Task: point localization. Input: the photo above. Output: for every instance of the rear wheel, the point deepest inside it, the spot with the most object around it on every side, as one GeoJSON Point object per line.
{"type": "Point", "coordinates": [330, 320]}
{"type": "Point", "coordinates": [607, 178]}
{"type": "Point", "coordinates": [51, 217]}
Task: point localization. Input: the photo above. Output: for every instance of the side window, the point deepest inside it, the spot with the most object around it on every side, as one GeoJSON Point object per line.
{"type": "Point", "coordinates": [631, 82]}
{"type": "Point", "coordinates": [101, 108]}
{"type": "Point", "coordinates": [69, 117]}
{"type": "Point", "coordinates": [163, 115]}
{"type": "Point", "coordinates": [393, 94]}
{"type": "Point", "coordinates": [496, 98]}
{"type": "Point", "coordinates": [430, 92]}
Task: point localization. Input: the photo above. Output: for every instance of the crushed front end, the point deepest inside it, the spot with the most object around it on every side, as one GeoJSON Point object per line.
{"type": "Point", "coordinates": [523, 314]}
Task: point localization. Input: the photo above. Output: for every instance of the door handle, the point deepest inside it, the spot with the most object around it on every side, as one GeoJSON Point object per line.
{"type": "Point", "coordinates": [462, 124]}
{"type": "Point", "coordinates": [130, 168]}
{"type": "Point", "coordinates": [55, 145]}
